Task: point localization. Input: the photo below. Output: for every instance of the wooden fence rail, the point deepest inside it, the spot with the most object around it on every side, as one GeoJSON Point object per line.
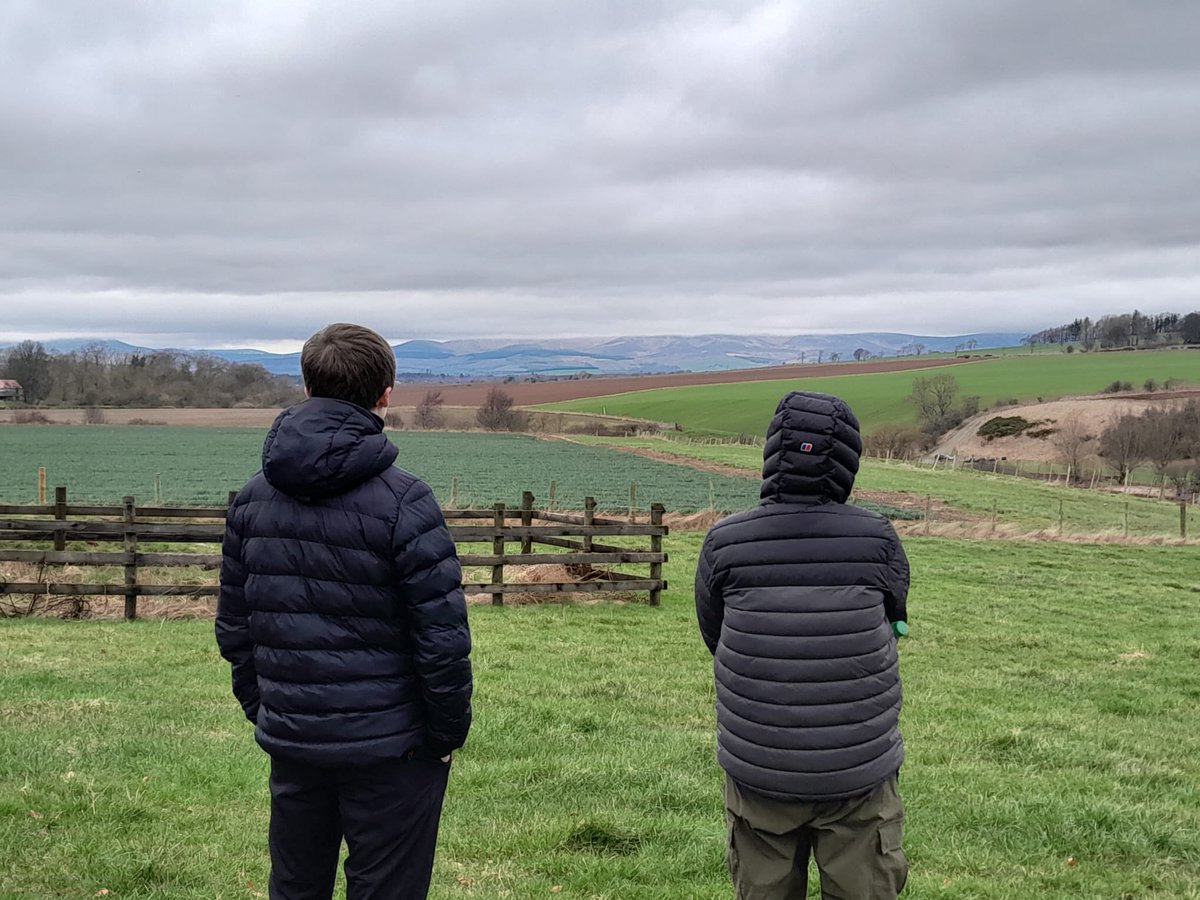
{"type": "Point", "coordinates": [129, 525]}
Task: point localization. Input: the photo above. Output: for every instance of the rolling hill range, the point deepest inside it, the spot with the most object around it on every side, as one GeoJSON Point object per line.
{"type": "Point", "coordinates": [604, 356]}
{"type": "Point", "coordinates": [881, 398]}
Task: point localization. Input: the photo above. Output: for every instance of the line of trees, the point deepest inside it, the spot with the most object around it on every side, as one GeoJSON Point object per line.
{"type": "Point", "coordinates": [95, 376]}
{"type": "Point", "coordinates": [1166, 437]}
{"type": "Point", "coordinates": [1135, 330]}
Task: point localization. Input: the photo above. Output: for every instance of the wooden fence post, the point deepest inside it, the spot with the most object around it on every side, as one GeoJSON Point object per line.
{"type": "Point", "coordinates": [632, 502]}
{"type": "Point", "coordinates": [131, 546]}
{"type": "Point", "coordinates": [41, 485]}
{"type": "Point", "coordinates": [60, 513]}
{"type": "Point", "coordinates": [656, 545]}
{"type": "Point", "coordinates": [1126, 518]}
{"type": "Point", "coordinates": [454, 493]}
{"type": "Point", "coordinates": [498, 550]}
{"type": "Point", "coordinates": [928, 511]}
{"type": "Point", "coordinates": [1060, 516]}
{"type": "Point", "coordinates": [527, 520]}
{"type": "Point", "coordinates": [1183, 518]}
{"type": "Point", "coordinates": [589, 521]}
{"type": "Point", "coordinates": [229, 500]}
{"type": "Point", "coordinates": [552, 501]}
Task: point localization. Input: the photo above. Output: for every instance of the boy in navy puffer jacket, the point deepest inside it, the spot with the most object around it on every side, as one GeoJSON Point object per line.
{"type": "Point", "coordinates": [342, 614]}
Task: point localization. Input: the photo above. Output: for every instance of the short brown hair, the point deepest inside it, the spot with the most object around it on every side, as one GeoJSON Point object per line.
{"type": "Point", "coordinates": [348, 362]}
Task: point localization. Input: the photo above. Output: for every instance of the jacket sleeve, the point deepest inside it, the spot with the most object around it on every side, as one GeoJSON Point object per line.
{"type": "Point", "coordinates": [431, 586]}
{"type": "Point", "coordinates": [233, 621]}
{"type": "Point", "coordinates": [710, 606]}
{"type": "Point", "coordinates": [896, 597]}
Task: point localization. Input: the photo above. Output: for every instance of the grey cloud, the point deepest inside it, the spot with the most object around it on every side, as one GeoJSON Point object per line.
{"type": "Point", "coordinates": [223, 172]}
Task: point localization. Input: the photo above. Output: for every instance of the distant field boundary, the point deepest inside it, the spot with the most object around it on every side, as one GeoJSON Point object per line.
{"type": "Point", "coordinates": [539, 392]}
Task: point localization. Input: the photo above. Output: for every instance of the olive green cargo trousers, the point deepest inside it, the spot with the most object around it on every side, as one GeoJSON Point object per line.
{"type": "Point", "coordinates": [856, 844]}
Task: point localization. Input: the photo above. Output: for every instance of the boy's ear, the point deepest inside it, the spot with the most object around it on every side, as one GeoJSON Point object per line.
{"type": "Point", "coordinates": [385, 399]}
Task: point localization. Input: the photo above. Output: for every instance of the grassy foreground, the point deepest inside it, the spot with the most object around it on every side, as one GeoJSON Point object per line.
{"type": "Point", "coordinates": [1050, 709]}
{"type": "Point", "coordinates": [881, 398]}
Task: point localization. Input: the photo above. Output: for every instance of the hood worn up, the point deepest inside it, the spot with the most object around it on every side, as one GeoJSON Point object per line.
{"type": "Point", "coordinates": [324, 448]}
{"type": "Point", "coordinates": [812, 450]}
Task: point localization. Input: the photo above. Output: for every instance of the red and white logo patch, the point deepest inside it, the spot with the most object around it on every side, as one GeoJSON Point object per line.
{"type": "Point", "coordinates": [806, 447]}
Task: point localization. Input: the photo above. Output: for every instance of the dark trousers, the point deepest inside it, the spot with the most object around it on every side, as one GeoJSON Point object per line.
{"type": "Point", "coordinates": [387, 813]}
{"type": "Point", "coordinates": [856, 844]}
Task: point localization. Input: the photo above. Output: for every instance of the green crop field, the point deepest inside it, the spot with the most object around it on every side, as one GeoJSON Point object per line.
{"type": "Point", "coordinates": [1026, 503]}
{"type": "Point", "coordinates": [881, 399]}
{"type": "Point", "coordinates": [200, 465]}
{"type": "Point", "coordinates": [1049, 723]}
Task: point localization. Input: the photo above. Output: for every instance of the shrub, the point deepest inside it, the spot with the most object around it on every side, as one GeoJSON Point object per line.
{"type": "Point", "coordinates": [1042, 433]}
{"type": "Point", "coordinates": [1003, 426]}
{"type": "Point", "coordinates": [499, 414]}
{"type": "Point", "coordinates": [29, 417]}
{"type": "Point", "coordinates": [1116, 387]}
{"type": "Point", "coordinates": [1150, 385]}
{"type": "Point", "coordinates": [394, 420]}
{"type": "Point", "coordinates": [94, 416]}
{"type": "Point", "coordinates": [895, 440]}
{"type": "Point", "coordinates": [1172, 384]}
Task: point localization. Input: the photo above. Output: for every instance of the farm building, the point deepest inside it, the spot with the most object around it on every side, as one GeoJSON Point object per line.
{"type": "Point", "coordinates": [10, 390]}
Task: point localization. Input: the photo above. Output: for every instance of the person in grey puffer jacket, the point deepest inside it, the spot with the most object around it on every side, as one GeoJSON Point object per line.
{"type": "Point", "coordinates": [796, 600]}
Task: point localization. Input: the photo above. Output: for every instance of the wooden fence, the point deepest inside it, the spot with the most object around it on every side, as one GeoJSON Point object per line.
{"type": "Point", "coordinates": [577, 542]}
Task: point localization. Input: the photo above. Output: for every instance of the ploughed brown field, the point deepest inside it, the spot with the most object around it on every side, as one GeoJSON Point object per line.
{"type": "Point", "coordinates": [530, 393]}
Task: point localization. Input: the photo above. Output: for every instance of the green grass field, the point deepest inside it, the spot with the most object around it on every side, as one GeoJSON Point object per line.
{"type": "Point", "coordinates": [1049, 716]}
{"type": "Point", "coordinates": [201, 465]}
{"type": "Point", "coordinates": [1026, 503]}
{"type": "Point", "coordinates": [881, 399]}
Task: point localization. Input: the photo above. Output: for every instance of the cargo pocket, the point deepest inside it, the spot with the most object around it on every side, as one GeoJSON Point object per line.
{"type": "Point", "coordinates": [891, 871]}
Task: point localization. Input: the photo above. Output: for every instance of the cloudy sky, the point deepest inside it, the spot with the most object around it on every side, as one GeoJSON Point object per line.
{"type": "Point", "coordinates": [241, 173]}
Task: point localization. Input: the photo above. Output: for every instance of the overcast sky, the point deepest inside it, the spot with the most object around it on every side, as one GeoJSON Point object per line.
{"type": "Point", "coordinates": [239, 174]}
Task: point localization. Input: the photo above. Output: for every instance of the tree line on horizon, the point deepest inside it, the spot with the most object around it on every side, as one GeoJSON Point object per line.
{"type": "Point", "coordinates": [96, 376]}
{"type": "Point", "coordinates": [1135, 330]}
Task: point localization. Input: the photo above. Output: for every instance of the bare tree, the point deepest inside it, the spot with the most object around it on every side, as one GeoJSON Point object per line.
{"type": "Point", "coordinates": [934, 398]}
{"type": "Point", "coordinates": [29, 363]}
{"type": "Point", "coordinates": [429, 414]}
{"type": "Point", "coordinates": [1073, 442]}
{"type": "Point", "coordinates": [1164, 437]}
{"type": "Point", "coordinates": [498, 412]}
{"type": "Point", "coordinates": [1121, 445]}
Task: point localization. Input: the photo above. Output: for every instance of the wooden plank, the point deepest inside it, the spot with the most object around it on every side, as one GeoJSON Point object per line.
{"type": "Point", "coordinates": [656, 544]}
{"type": "Point", "coordinates": [22, 509]}
{"type": "Point", "coordinates": [182, 512]}
{"type": "Point", "coordinates": [560, 518]}
{"type": "Point", "coordinates": [498, 551]}
{"type": "Point", "coordinates": [567, 587]}
{"type": "Point", "coordinates": [566, 559]}
{"type": "Point", "coordinates": [150, 530]}
{"type": "Point", "coordinates": [70, 589]}
{"type": "Point", "coordinates": [88, 558]}
{"type": "Point", "coordinates": [131, 546]}
{"type": "Point", "coordinates": [513, 533]}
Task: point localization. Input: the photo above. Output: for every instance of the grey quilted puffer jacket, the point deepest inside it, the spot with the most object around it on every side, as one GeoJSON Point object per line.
{"type": "Point", "coordinates": [795, 600]}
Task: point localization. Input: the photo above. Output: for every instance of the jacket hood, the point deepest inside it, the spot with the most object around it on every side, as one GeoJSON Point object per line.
{"type": "Point", "coordinates": [812, 450]}
{"type": "Point", "coordinates": [323, 448]}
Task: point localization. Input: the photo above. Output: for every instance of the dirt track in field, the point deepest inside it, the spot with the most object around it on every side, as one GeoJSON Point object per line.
{"type": "Point", "coordinates": [531, 393]}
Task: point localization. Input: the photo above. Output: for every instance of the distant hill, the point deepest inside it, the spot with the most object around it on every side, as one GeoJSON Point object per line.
{"type": "Point", "coordinates": [607, 356]}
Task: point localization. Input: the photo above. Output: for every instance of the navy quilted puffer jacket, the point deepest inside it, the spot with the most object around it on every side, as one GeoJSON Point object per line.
{"type": "Point", "coordinates": [794, 599]}
{"type": "Point", "coordinates": [341, 604]}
